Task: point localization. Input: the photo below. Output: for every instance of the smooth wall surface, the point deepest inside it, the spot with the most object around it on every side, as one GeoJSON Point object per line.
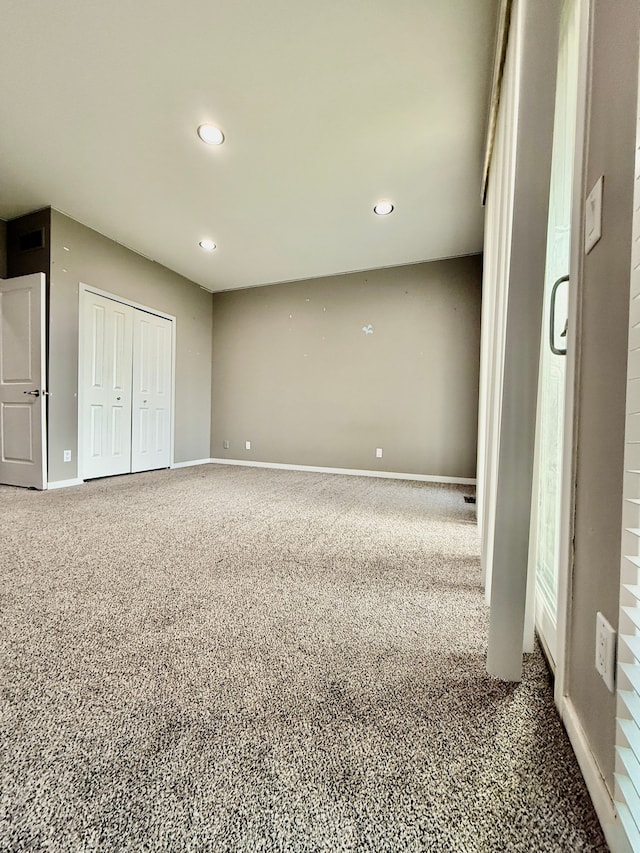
{"type": "Point", "coordinates": [601, 380]}
{"type": "Point", "coordinates": [79, 254]}
{"type": "Point", "coordinates": [324, 371]}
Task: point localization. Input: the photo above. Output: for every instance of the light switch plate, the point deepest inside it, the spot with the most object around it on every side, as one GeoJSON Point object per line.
{"type": "Point", "coordinates": [593, 216]}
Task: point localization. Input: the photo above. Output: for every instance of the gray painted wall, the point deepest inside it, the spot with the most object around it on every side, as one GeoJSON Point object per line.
{"type": "Point", "coordinates": [603, 357]}
{"type": "Point", "coordinates": [294, 372]}
{"type": "Point", "coordinates": [3, 249]}
{"type": "Point", "coordinates": [95, 260]}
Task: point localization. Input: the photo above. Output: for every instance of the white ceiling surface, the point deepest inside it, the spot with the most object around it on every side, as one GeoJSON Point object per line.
{"type": "Point", "coordinates": [326, 107]}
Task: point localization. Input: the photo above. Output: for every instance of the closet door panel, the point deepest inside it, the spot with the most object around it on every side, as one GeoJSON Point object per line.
{"type": "Point", "coordinates": [106, 387]}
{"type": "Point", "coordinates": [152, 351]}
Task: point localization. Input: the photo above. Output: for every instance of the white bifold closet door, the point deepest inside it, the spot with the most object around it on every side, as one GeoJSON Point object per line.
{"type": "Point", "coordinates": [151, 392]}
{"type": "Point", "coordinates": [106, 368]}
{"type": "Point", "coordinates": [125, 388]}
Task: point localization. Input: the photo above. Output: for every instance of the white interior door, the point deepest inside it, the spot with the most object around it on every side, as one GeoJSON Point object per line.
{"type": "Point", "coordinates": [546, 519]}
{"type": "Point", "coordinates": [151, 425]}
{"type": "Point", "coordinates": [107, 345]}
{"type": "Point", "coordinates": [23, 448]}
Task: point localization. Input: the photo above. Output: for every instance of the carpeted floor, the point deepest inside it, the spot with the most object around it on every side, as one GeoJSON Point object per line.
{"type": "Point", "coordinates": [237, 659]}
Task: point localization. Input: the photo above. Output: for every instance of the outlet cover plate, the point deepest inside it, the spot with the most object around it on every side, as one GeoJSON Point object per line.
{"type": "Point", "coordinates": [247, 445]}
{"type": "Point", "coordinates": [605, 651]}
{"type": "Point", "coordinates": [378, 453]}
{"type": "Point", "coordinates": [593, 216]}
{"type": "Point", "coordinates": [66, 456]}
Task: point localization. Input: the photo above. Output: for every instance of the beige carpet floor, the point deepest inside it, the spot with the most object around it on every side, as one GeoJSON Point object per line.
{"type": "Point", "coordinates": [229, 659]}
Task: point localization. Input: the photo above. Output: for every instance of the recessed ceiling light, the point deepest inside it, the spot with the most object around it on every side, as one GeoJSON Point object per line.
{"type": "Point", "coordinates": [210, 134]}
{"type": "Point", "coordinates": [207, 245]}
{"type": "Point", "coordinates": [382, 208]}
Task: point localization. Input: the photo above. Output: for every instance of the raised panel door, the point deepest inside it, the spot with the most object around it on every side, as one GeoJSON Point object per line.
{"type": "Point", "coordinates": [106, 386]}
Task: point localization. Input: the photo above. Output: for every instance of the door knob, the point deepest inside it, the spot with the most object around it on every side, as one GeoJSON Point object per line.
{"type": "Point", "coordinates": [35, 393]}
{"type": "Point", "coordinates": [117, 398]}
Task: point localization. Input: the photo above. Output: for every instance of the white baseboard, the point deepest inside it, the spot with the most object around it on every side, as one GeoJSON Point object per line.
{"type": "Point", "coordinates": [63, 484]}
{"type": "Point", "coordinates": [390, 475]}
{"type": "Point", "coordinates": [598, 791]}
{"type": "Point", "coordinates": [190, 463]}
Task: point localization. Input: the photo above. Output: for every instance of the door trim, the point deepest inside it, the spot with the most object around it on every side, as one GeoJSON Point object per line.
{"type": "Point", "coordinates": [571, 413]}
{"type": "Point", "coordinates": [568, 493]}
{"type": "Point", "coordinates": [87, 288]}
{"type": "Point", "coordinates": [551, 628]}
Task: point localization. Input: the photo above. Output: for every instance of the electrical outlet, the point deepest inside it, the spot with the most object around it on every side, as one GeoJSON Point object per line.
{"type": "Point", "coordinates": [247, 445]}
{"type": "Point", "coordinates": [225, 444]}
{"type": "Point", "coordinates": [378, 453]}
{"type": "Point", "coordinates": [66, 456]}
{"type": "Point", "coordinates": [605, 651]}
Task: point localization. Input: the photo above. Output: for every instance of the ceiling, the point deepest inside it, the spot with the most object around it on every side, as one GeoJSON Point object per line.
{"type": "Point", "coordinates": [326, 107]}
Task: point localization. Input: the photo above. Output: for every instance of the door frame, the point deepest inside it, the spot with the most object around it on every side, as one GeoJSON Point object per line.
{"type": "Point", "coordinates": [569, 454]}
{"type": "Point", "coordinates": [538, 613]}
{"type": "Point", "coordinates": [88, 288]}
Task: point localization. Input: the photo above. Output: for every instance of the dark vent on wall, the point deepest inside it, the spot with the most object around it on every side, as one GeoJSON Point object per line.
{"type": "Point", "coordinates": [32, 240]}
